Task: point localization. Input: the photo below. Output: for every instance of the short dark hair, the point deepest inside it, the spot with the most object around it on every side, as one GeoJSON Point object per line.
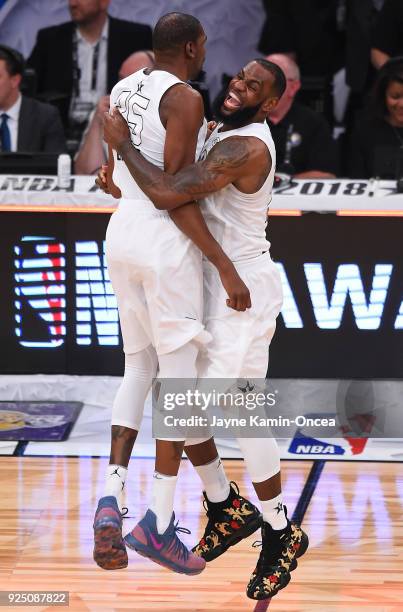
{"type": "Point", "coordinates": [174, 30]}
{"type": "Point", "coordinates": [391, 71]}
{"type": "Point", "coordinates": [280, 81]}
{"type": "Point", "coordinates": [15, 62]}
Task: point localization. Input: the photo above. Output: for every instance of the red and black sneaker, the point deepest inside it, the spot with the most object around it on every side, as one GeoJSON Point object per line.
{"type": "Point", "coordinates": [278, 557]}
{"type": "Point", "coordinates": [229, 522]}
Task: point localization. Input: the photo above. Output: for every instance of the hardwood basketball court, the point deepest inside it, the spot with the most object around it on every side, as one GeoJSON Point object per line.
{"type": "Point", "coordinates": [354, 520]}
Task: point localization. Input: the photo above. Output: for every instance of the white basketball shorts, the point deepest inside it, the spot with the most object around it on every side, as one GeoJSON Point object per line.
{"type": "Point", "coordinates": [156, 275]}
{"type": "Point", "coordinates": [240, 340]}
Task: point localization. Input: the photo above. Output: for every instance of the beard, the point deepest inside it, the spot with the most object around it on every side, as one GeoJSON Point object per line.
{"type": "Point", "coordinates": [237, 118]}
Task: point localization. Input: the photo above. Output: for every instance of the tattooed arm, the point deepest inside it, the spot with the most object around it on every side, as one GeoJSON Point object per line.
{"type": "Point", "coordinates": [228, 162]}
{"type": "Point", "coordinates": [181, 113]}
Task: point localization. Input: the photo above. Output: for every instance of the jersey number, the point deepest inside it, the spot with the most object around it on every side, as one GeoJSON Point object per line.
{"type": "Point", "coordinates": [130, 105]}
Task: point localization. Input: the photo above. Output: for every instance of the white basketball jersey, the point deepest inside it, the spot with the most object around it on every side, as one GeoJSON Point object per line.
{"type": "Point", "coordinates": [138, 98]}
{"type": "Point", "coordinates": [238, 220]}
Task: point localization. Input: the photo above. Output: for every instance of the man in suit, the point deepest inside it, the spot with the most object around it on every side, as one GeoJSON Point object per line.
{"type": "Point", "coordinates": [93, 151]}
{"type": "Point", "coordinates": [304, 144]}
{"type": "Point", "coordinates": [78, 62]}
{"type": "Point", "coordinates": [26, 125]}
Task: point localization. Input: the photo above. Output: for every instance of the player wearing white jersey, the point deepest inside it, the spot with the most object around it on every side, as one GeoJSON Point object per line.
{"type": "Point", "coordinates": [233, 183]}
{"type": "Point", "coordinates": [154, 258]}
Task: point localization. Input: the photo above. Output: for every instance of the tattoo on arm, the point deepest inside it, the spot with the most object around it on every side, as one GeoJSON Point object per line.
{"type": "Point", "coordinates": [221, 167]}
{"type": "Point", "coordinates": [207, 177]}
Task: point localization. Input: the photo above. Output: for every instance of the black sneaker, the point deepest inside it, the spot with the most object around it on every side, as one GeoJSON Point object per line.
{"type": "Point", "coordinates": [278, 557]}
{"type": "Point", "coordinates": [229, 522]}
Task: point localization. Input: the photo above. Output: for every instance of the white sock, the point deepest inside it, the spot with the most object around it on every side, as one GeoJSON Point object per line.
{"type": "Point", "coordinates": [115, 482]}
{"type": "Point", "coordinates": [214, 480]}
{"type": "Point", "coordinates": [273, 512]}
{"type": "Point", "coordinates": [162, 501]}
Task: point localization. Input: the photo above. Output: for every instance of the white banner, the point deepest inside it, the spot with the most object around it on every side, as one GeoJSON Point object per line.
{"type": "Point", "coordinates": [37, 192]}
{"type": "Point", "coordinates": [91, 433]}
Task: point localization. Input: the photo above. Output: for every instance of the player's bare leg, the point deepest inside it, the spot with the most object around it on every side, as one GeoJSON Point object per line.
{"type": "Point", "coordinates": [109, 548]}
{"type": "Point", "coordinates": [140, 368]}
{"type": "Point", "coordinates": [155, 536]}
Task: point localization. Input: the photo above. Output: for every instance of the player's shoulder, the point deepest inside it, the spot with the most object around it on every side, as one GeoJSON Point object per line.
{"type": "Point", "coordinates": [125, 84]}
{"type": "Point", "coordinates": [183, 99]}
{"type": "Point", "coordinates": [250, 141]}
{"type": "Point", "coordinates": [183, 102]}
{"type": "Point", "coordinates": [238, 150]}
{"type": "Point", "coordinates": [183, 92]}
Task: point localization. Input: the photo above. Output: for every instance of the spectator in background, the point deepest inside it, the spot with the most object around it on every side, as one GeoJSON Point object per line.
{"type": "Point", "coordinates": [78, 62]}
{"type": "Point", "coordinates": [377, 142]}
{"type": "Point", "coordinates": [387, 39]}
{"type": "Point", "coordinates": [362, 16]}
{"type": "Point", "coordinates": [93, 151]}
{"type": "Point", "coordinates": [26, 125]}
{"type": "Point", "coordinates": [312, 32]}
{"type": "Point", "coordinates": [304, 145]}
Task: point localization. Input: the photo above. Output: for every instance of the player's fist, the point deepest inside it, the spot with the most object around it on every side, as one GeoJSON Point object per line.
{"type": "Point", "coordinates": [238, 293]}
{"type": "Point", "coordinates": [106, 184]}
{"type": "Point", "coordinates": [116, 130]}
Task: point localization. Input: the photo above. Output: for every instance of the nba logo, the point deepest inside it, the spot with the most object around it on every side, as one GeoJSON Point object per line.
{"type": "Point", "coordinates": [40, 304]}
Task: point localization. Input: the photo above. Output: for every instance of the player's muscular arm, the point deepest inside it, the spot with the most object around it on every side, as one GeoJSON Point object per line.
{"type": "Point", "coordinates": [230, 161]}
{"type": "Point", "coordinates": [239, 160]}
{"type": "Point", "coordinates": [243, 161]}
{"type": "Point", "coordinates": [220, 168]}
{"type": "Point", "coordinates": [182, 114]}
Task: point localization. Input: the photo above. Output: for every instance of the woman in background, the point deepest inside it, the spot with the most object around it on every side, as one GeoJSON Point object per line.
{"type": "Point", "coordinates": [377, 141]}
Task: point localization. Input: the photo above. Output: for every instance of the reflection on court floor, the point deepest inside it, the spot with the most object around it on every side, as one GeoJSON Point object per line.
{"type": "Point", "coordinates": [354, 520]}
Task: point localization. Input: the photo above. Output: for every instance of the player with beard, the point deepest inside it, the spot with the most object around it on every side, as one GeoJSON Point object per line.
{"type": "Point", "coordinates": [233, 184]}
{"type": "Point", "coordinates": [153, 259]}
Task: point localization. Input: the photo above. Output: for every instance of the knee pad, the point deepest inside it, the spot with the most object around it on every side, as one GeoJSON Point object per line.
{"type": "Point", "coordinates": [262, 457]}
{"type": "Point", "coordinates": [180, 363]}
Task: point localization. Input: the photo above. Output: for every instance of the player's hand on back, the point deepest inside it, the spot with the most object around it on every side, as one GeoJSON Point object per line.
{"type": "Point", "coordinates": [238, 293]}
{"type": "Point", "coordinates": [116, 130]}
{"type": "Point", "coordinates": [105, 185]}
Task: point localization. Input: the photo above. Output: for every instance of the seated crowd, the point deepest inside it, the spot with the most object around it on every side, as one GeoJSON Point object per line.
{"type": "Point", "coordinates": [95, 50]}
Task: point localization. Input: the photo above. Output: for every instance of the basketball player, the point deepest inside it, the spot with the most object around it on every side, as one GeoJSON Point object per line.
{"type": "Point", "coordinates": [154, 258]}
{"type": "Point", "coordinates": [233, 184]}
